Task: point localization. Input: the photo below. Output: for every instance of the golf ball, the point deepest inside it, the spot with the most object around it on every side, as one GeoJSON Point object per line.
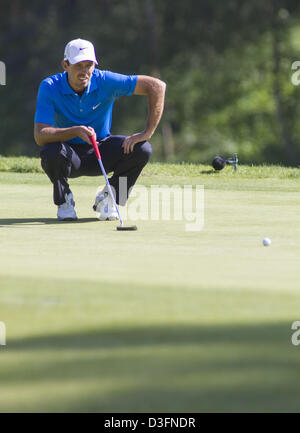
{"type": "Point", "coordinates": [266, 242]}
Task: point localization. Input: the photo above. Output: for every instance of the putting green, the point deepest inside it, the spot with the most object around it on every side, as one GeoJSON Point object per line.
{"type": "Point", "coordinates": [156, 320]}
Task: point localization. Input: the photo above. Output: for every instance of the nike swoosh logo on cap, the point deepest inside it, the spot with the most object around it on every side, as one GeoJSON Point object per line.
{"type": "Point", "coordinates": [95, 106]}
{"type": "Point", "coordinates": [83, 48]}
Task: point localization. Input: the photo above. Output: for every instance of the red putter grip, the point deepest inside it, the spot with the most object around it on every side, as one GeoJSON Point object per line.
{"type": "Point", "coordinates": [93, 140]}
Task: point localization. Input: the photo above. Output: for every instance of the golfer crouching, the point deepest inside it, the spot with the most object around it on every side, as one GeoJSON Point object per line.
{"type": "Point", "coordinates": [78, 103]}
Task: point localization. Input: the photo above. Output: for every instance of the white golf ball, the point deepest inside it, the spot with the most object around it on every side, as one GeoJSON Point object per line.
{"type": "Point", "coordinates": [267, 242]}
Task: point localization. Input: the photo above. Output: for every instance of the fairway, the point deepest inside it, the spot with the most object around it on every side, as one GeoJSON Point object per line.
{"type": "Point", "coordinates": [157, 320]}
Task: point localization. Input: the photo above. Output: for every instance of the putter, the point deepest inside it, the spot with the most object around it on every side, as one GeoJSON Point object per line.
{"type": "Point", "coordinates": [121, 227]}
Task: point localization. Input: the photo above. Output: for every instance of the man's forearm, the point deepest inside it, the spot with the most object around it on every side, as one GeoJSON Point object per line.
{"type": "Point", "coordinates": [155, 90]}
{"type": "Point", "coordinates": [48, 134]}
{"type": "Point", "coordinates": [156, 99]}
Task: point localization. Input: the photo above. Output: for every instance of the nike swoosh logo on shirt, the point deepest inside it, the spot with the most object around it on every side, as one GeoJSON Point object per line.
{"type": "Point", "coordinates": [95, 106]}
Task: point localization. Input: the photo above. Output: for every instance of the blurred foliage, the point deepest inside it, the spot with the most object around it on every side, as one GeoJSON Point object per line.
{"type": "Point", "coordinates": [227, 66]}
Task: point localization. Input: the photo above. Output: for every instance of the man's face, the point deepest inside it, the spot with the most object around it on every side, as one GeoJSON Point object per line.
{"type": "Point", "coordinates": [79, 74]}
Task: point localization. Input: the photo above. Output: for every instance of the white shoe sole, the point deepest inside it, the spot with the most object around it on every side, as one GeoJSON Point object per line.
{"type": "Point", "coordinates": [105, 218]}
{"type": "Point", "coordinates": [67, 219]}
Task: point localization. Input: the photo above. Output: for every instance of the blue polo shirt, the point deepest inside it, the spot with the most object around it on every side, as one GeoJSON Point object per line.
{"type": "Point", "coordinates": [60, 106]}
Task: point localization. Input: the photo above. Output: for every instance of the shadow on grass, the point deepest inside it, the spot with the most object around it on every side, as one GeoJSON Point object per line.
{"type": "Point", "coordinates": [157, 335]}
{"type": "Point", "coordinates": [162, 369]}
{"type": "Point", "coordinates": [208, 171]}
{"type": "Point", "coordinates": [40, 221]}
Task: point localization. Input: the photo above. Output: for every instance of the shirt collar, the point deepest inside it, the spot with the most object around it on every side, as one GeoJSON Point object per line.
{"type": "Point", "coordinates": [92, 84]}
{"type": "Point", "coordinates": [67, 89]}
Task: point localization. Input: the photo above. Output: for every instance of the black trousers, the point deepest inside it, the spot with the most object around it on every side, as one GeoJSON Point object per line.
{"type": "Point", "coordinates": [61, 161]}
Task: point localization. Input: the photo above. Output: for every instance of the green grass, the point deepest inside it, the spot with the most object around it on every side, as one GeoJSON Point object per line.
{"type": "Point", "coordinates": [155, 320]}
{"type": "Point", "coordinates": [23, 164]}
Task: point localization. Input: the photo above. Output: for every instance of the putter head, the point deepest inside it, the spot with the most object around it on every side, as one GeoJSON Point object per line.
{"type": "Point", "coordinates": [126, 228]}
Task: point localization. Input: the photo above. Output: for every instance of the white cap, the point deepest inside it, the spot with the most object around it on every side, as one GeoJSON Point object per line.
{"type": "Point", "coordinates": [80, 50]}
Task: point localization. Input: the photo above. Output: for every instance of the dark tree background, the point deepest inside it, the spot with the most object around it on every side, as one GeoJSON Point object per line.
{"type": "Point", "coordinates": [227, 66]}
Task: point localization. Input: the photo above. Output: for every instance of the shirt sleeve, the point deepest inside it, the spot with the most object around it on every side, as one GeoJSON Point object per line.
{"type": "Point", "coordinates": [119, 84]}
{"type": "Point", "coordinates": [45, 111]}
